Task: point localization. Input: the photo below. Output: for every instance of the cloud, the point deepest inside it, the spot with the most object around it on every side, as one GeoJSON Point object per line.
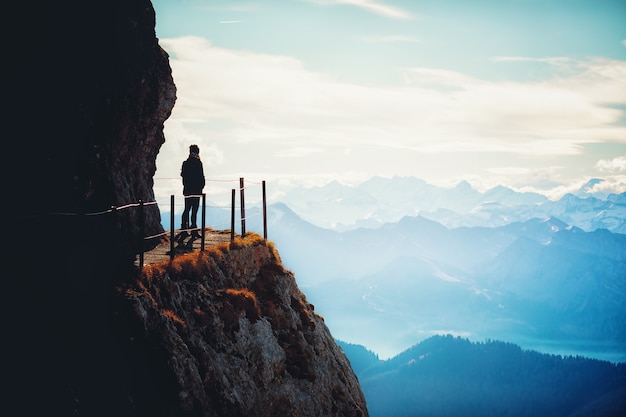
{"type": "Point", "coordinates": [391, 39]}
{"type": "Point", "coordinates": [554, 116]}
{"type": "Point", "coordinates": [274, 98]}
{"type": "Point", "coordinates": [615, 165]}
{"type": "Point", "coordinates": [370, 6]}
{"type": "Point", "coordinates": [175, 150]}
{"type": "Point", "coordinates": [555, 188]}
{"type": "Point", "coordinates": [251, 110]}
{"type": "Point", "coordinates": [559, 60]}
{"type": "Point", "coordinates": [227, 7]}
{"type": "Point", "coordinates": [297, 152]}
{"type": "Point", "coordinates": [614, 184]}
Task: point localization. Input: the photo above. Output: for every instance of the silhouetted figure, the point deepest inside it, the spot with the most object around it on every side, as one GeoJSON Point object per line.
{"type": "Point", "coordinates": [193, 184]}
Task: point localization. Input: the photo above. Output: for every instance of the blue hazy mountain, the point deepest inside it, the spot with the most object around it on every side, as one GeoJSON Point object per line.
{"type": "Point", "coordinates": [382, 200]}
{"type": "Point", "coordinates": [540, 283]}
{"type": "Point", "coordinates": [378, 201]}
{"type": "Point", "coordinates": [543, 283]}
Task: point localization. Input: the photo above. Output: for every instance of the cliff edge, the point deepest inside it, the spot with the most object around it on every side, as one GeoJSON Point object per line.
{"type": "Point", "coordinates": [87, 89]}
{"type": "Point", "coordinates": [227, 332]}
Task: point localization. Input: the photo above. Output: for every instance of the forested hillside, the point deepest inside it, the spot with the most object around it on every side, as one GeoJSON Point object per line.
{"type": "Point", "coordinates": [448, 376]}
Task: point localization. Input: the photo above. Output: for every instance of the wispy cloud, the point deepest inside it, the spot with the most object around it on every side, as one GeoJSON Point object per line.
{"type": "Point", "coordinates": [615, 184]}
{"type": "Point", "coordinates": [553, 61]}
{"type": "Point", "coordinates": [371, 6]}
{"type": "Point", "coordinates": [437, 111]}
{"type": "Point", "coordinates": [547, 60]}
{"type": "Point", "coordinates": [614, 165]}
{"type": "Point", "coordinates": [228, 7]}
{"type": "Point", "coordinates": [250, 104]}
{"type": "Point", "coordinates": [296, 152]}
{"type": "Point", "coordinates": [391, 39]}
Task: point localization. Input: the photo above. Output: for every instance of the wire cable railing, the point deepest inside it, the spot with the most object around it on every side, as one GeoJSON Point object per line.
{"type": "Point", "coordinates": [244, 217]}
{"type": "Point", "coordinates": [140, 205]}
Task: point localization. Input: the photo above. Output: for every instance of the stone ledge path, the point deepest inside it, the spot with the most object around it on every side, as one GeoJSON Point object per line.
{"type": "Point", "coordinates": [162, 251]}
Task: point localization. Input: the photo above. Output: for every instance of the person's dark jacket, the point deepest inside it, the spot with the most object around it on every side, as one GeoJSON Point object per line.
{"type": "Point", "coordinates": [193, 176]}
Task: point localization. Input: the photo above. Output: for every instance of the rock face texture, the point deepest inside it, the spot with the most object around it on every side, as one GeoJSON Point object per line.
{"type": "Point", "coordinates": [87, 90]}
{"type": "Point", "coordinates": [227, 332]}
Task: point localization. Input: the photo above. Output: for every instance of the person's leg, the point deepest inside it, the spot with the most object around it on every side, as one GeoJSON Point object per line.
{"type": "Point", "coordinates": [188, 208]}
{"type": "Point", "coordinates": [195, 204]}
{"type": "Point", "coordinates": [185, 220]}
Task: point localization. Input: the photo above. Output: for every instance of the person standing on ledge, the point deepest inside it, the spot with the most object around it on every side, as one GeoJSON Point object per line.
{"type": "Point", "coordinates": [193, 184]}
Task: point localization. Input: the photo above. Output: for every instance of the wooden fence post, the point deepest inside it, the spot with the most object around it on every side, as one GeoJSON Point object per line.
{"type": "Point", "coordinates": [203, 221]}
{"type": "Point", "coordinates": [243, 208]}
{"type": "Point", "coordinates": [264, 213]}
{"type": "Point", "coordinates": [232, 216]}
{"type": "Point", "coordinates": [172, 227]}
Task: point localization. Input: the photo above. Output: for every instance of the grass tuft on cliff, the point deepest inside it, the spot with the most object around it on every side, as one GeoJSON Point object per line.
{"type": "Point", "coordinates": [198, 263]}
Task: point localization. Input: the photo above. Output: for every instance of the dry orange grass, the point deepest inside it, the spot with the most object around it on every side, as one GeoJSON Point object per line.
{"type": "Point", "coordinates": [244, 300]}
{"type": "Point", "coordinates": [197, 264]}
{"type": "Point", "coordinates": [188, 265]}
{"type": "Point", "coordinates": [149, 272]}
{"type": "Point", "coordinates": [170, 314]}
{"type": "Point", "coordinates": [241, 292]}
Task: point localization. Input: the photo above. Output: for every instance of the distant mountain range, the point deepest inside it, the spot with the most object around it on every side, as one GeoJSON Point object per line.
{"type": "Point", "coordinates": [382, 200]}
{"type": "Point", "coordinates": [542, 282]}
{"type": "Point", "coordinates": [450, 376]}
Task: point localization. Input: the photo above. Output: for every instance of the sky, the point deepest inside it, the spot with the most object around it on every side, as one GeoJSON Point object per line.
{"type": "Point", "coordinates": [530, 94]}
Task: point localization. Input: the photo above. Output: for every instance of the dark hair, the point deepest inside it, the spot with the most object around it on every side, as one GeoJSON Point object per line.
{"type": "Point", "coordinates": [194, 149]}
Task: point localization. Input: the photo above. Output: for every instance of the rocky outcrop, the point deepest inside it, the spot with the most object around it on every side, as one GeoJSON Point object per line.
{"type": "Point", "coordinates": [86, 90]}
{"type": "Point", "coordinates": [89, 89]}
{"type": "Point", "coordinates": [227, 332]}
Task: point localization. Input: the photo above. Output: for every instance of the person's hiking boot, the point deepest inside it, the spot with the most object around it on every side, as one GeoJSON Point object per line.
{"type": "Point", "coordinates": [182, 236]}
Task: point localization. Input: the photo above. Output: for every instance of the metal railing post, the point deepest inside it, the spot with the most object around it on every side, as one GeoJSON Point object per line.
{"type": "Point", "coordinates": [232, 216]}
{"type": "Point", "coordinates": [172, 227]}
{"type": "Point", "coordinates": [203, 221]}
{"type": "Point", "coordinates": [243, 208]}
{"type": "Point", "coordinates": [264, 213]}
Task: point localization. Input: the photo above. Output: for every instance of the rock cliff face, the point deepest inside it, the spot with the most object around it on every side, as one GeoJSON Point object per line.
{"type": "Point", "coordinates": [88, 89]}
{"type": "Point", "coordinates": [227, 332]}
